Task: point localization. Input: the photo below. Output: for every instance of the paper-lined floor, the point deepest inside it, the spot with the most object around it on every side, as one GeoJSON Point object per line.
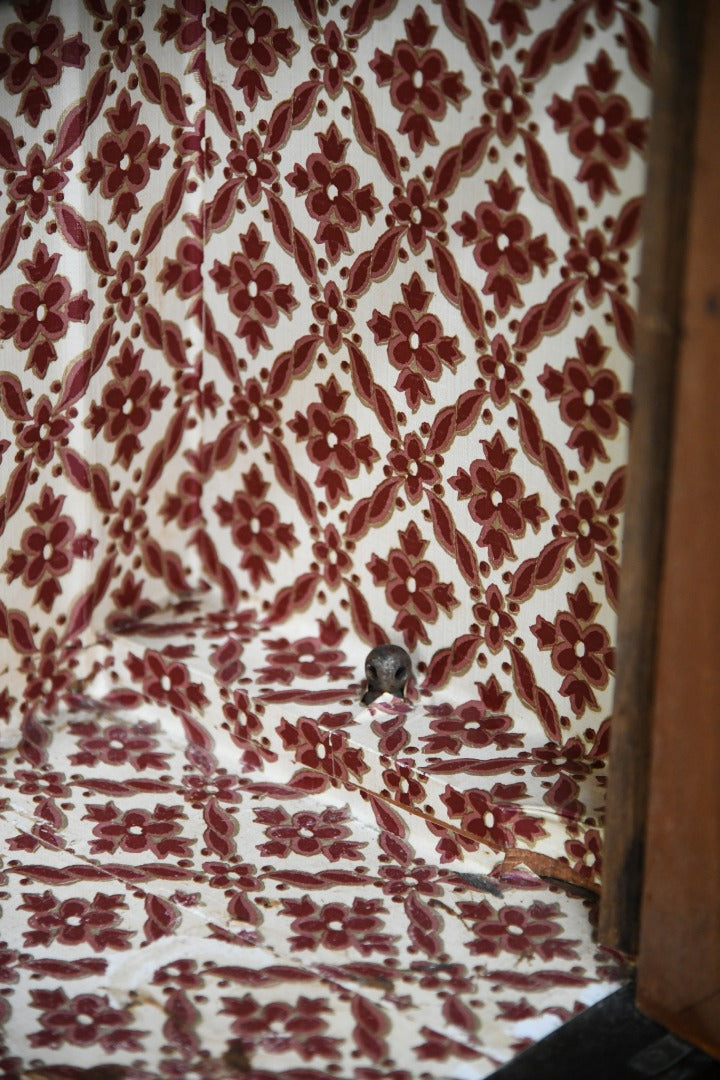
{"type": "Point", "coordinates": [174, 922]}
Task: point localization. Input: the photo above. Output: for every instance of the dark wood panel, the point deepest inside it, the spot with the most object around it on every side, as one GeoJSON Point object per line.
{"type": "Point", "coordinates": [659, 317]}
{"type": "Point", "coordinates": [679, 959]}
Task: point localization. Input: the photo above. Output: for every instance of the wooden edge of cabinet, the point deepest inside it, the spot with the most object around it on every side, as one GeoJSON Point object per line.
{"type": "Point", "coordinates": [665, 216]}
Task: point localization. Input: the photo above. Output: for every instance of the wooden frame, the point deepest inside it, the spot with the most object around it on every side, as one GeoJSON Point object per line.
{"type": "Point", "coordinates": [663, 826]}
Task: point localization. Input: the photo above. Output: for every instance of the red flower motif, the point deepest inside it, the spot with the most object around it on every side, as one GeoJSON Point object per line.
{"type": "Point", "coordinates": [33, 56]}
{"type": "Point", "coordinates": [332, 441]}
{"type": "Point", "coordinates": [568, 760]}
{"type": "Point", "coordinates": [254, 293]}
{"type": "Point", "coordinates": [83, 1020]}
{"type": "Point", "coordinates": [198, 789]}
{"type": "Point", "coordinates": [403, 786]}
{"type": "Point", "coordinates": [339, 926]}
{"type": "Point", "coordinates": [128, 523]}
{"type": "Point", "coordinates": [335, 319]}
{"type": "Point", "coordinates": [335, 62]}
{"type": "Point", "coordinates": [497, 500]}
{"type": "Point", "coordinates": [509, 106]}
{"type": "Point", "coordinates": [135, 831]}
{"type": "Point", "coordinates": [42, 310]}
{"type": "Point", "coordinates": [580, 649]}
{"type": "Point", "coordinates": [590, 398]}
{"type": "Point", "coordinates": [332, 195]}
{"type": "Point", "coordinates": [125, 156]}
{"type": "Point", "coordinates": [468, 726]}
{"type": "Point", "coordinates": [533, 931]}
{"type": "Point", "coordinates": [126, 287]}
{"type": "Point", "coordinates": [586, 854]}
{"type": "Point", "coordinates": [183, 23]}
{"type": "Point", "coordinates": [253, 411]}
{"type": "Point", "coordinates": [412, 586]}
{"type": "Point", "coordinates": [254, 169]}
{"type": "Point", "coordinates": [118, 744]}
{"type": "Point", "coordinates": [333, 560]}
{"type": "Point", "coordinates": [416, 344]}
{"type": "Point", "coordinates": [401, 882]}
{"type": "Point", "coordinates": [494, 817]}
{"type": "Point", "coordinates": [510, 16]}
{"type": "Point", "coordinates": [75, 921]}
{"type": "Point", "coordinates": [588, 531]}
{"type": "Point", "coordinates": [420, 83]}
{"type": "Point", "coordinates": [498, 367]}
{"type": "Point", "coordinates": [255, 526]}
{"type": "Point", "coordinates": [322, 750]}
{"type": "Point", "coordinates": [504, 245]}
{"type": "Point", "coordinates": [243, 722]}
{"type": "Point", "coordinates": [44, 432]}
{"type": "Point", "coordinates": [593, 264]}
{"type": "Point", "coordinates": [308, 834]}
{"type": "Point", "coordinates": [128, 402]}
{"type": "Point", "coordinates": [417, 214]}
{"type": "Point", "coordinates": [48, 549]}
{"type": "Point", "coordinates": [307, 658]}
{"type": "Point", "coordinates": [279, 1027]}
{"type": "Point", "coordinates": [47, 784]}
{"type": "Point", "coordinates": [49, 675]}
{"type": "Point", "coordinates": [409, 462]}
{"type": "Point", "coordinates": [166, 681]}
{"type": "Point", "coordinates": [253, 44]}
{"type": "Point", "coordinates": [194, 146]}
{"type": "Point", "coordinates": [37, 185]}
{"type": "Point", "coordinates": [601, 127]}
{"type": "Point", "coordinates": [122, 34]}
{"type": "Point", "coordinates": [497, 623]}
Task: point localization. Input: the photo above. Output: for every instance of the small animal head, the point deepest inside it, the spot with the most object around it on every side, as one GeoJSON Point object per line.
{"type": "Point", "coordinates": [387, 670]}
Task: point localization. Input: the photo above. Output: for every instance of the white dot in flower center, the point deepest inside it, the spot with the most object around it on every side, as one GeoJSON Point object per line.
{"type": "Point", "coordinates": [588, 396]}
{"type": "Point", "coordinates": [332, 556]}
{"type": "Point", "coordinates": [414, 340]}
{"type": "Point", "coordinates": [251, 167]}
{"type": "Point", "coordinates": [332, 192]}
{"type": "Point", "coordinates": [584, 527]}
{"type": "Point", "coordinates": [418, 78]}
{"type": "Point", "coordinates": [124, 162]}
{"type": "Point", "coordinates": [305, 832]}
{"type": "Point", "coordinates": [321, 750]}
{"type": "Point", "coordinates": [579, 649]}
{"type": "Point", "coordinates": [332, 316]}
{"type": "Point", "coordinates": [306, 658]}
{"type": "Point", "coordinates": [255, 526]}
{"type": "Point", "coordinates": [128, 406]}
{"type": "Point", "coordinates": [502, 242]}
{"type": "Point", "coordinates": [136, 830]}
{"type": "Point", "coordinates": [416, 215]}
{"type": "Point", "coordinates": [335, 924]}
{"type": "Point", "coordinates": [117, 744]}
{"type": "Point", "coordinates": [47, 551]}
{"type": "Point", "coordinates": [84, 1018]}
{"type": "Point", "coordinates": [588, 859]}
{"type": "Point", "coordinates": [165, 683]}
{"type": "Point", "coordinates": [41, 312]}
{"type": "Point", "coordinates": [250, 35]}
{"type": "Point", "coordinates": [37, 182]}
{"type": "Point", "coordinates": [252, 289]}
{"type": "Point", "coordinates": [254, 412]}
{"type": "Point", "coordinates": [331, 439]}
{"type": "Point", "coordinates": [403, 785]}
{"type": "Point", "coordinates": [122, 34]}
{"type": "Point", "coordinates": [488, 819]}
{"type": "Point", "coordinates": [512, 928]}
{"type": "Point", "coordinates": [599, 125]}
{"type": "Point", "coordinates": [593, 267]}
{"type": "Point", "coordinates": [46, 686]}
{"type": "Point", "coordinates": [495, 497]}
{"type": "Point", "coordinates": [413, 468]}
{"type": "Point", "coordinates": [411, 585]}
{"type": "Point", "coordinates": [494, 619]}
{"type": "Point", "coordinates": [34, 55]}
{"type": "Point", "coordinates": [44, 431]}
{"type": "Point", "coordinates": [73, 920]}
